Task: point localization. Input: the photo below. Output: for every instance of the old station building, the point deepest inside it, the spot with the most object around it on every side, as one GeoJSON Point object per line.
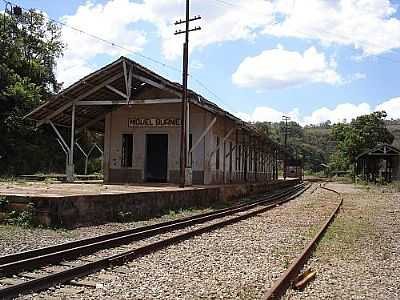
{"type": "Point", "coordinates": [139, 114]}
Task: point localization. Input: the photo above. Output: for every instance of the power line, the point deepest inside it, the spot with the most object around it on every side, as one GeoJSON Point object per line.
{"type": "Point", "coordinates": [165, 65]}
{"type": "Point", "coordinates": [330, 33]}
{"type": "Point", "coordinates": [227, 3]}
{"type": "Point", "coordinates": [114, 44]}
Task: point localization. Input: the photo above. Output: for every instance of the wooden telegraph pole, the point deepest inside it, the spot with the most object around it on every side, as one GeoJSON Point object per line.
{"type": "Point", "coordinates": [184, 107]}
{"type": "Point", "coordinates": [286, 119]}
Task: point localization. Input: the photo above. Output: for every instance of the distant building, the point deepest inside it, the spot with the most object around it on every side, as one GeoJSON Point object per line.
{"type": "Point", "coordinates": [379, 163]}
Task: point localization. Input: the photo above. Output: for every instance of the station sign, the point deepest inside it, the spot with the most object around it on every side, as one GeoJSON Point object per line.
{"type": "Point", "coordinates": [154, 122]}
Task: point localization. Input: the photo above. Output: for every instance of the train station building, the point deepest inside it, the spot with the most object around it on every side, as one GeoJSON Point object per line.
{"type": "Point", "coordinates": [139, 114]}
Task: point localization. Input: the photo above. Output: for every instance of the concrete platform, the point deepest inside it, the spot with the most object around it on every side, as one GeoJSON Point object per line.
{"type": "Point", "coordinates": [42, 189]}
{"type": "Point", "coordinates": [72, 205]}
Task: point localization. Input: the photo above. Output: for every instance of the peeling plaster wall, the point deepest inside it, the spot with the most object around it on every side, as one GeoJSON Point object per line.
{"type": "Point", "coordinates": [203, 158]}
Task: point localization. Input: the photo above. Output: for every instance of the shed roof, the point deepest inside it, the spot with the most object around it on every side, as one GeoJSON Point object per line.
{"type": "Point", "coordinates": [109, 85]}
{"type": "Point", "coordinates": [381, 150]}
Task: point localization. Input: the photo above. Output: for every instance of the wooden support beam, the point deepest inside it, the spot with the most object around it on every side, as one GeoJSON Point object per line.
{"type": "Point", "coordinates": [129, 90]}
{"type": "Point", "coordinates": [83, 96]}
{"type": "Point", "coordinates": [63, 147]}
{"type": "Point", "coordinates": [156, 84]}
{"type": "Point", "coordinates": [134, 102]}
{"type": "Point", "coordinates": [231, 151]}
{"type": "Point", "coordinates": [116, 91]}
{"type": "Point", "coordinates": [203, 134]}
{"type": "Point", "coordinates": [59, 135]}
{"type": "Point", "coordinates": [91, 122]}
{"type": "Point", "coordinates": [220, 144]}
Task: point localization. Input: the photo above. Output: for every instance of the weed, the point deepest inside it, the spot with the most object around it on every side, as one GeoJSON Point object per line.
{"type": "Point", "coordinates": [125, 216]}
{"type": "Point", "coordinates": [23, 218]}
{"type": "Point", "coordinates": [286, 262]}
{"type": "Point", "coordinates": [3, 203]}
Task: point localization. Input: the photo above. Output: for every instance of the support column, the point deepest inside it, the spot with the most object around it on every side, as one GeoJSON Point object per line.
{"type": "Point", "coordinates": [236, 155]}
{"type": "Point", "coordinates": [70, 168]}
{"type": "Point", "coordinates": [245, 156]}
{"type": "Point", "coordinates": [223, 163]}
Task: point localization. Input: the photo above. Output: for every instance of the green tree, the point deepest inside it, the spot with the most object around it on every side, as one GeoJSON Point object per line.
{"type": "Point", "coordinates": [312, 144]}
{"type": "Point", "coordinates": [362, 133]}
{"type": "Point", "coordinates": [29, 48]}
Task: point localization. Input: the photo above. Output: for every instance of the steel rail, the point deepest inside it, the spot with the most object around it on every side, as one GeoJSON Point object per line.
{"type": "Point", "coordinates": [32, 259]}
{"type": "Point", "coordinates": [284, 281]}
{"type": "Point", "coordinates": [64, 246]}
{"type": "Point", "coordinates": [115, 260]}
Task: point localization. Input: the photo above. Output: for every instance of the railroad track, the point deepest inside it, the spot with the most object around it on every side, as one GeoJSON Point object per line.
{"type": "Point", "coordinates": [286, 279]}
{"type": "Point", "coordinates": [39, 269]}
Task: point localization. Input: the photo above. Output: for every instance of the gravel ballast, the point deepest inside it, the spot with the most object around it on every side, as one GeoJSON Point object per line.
{"type": "Point", "coordinates": [358, 258]}
{"type": "Point", "coordinates": [239, 261]}
{"type": "Point", "coordinates": [16, 239]}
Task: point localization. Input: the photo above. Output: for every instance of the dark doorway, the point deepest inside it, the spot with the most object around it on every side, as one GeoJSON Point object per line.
{"type": "Point", "coordinates": [156, 157]}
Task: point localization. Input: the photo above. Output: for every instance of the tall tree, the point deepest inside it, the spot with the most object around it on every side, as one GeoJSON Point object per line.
{"type": "Point", "coordinates": [29, 48]}
{"type": "Point", "coordinates": [361, 133]}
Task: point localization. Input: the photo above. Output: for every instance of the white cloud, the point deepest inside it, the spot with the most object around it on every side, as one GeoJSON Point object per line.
{"type": "Point", "coordinates": [368, 25]}
{"type": "Point", "coordinates": [220, 22]}
{"type": "Point", "coordinates": [117, 21]}
{"type": "Point", "coordinates": [268, 114]}
{"type": "Point", "coordinates": [344, 112]}
{"type": "Point", "coordinates": [392, 108]}
{"type": "Point", "coordinates": [110, 21]}
{"type": "Point", "coordinates": [341, 113]}
{"type": "Point", "coordinates": [280, 68]}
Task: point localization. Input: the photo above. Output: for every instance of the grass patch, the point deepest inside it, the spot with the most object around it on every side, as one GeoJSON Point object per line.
{"type": "Point", "coordinates": [344, 235]}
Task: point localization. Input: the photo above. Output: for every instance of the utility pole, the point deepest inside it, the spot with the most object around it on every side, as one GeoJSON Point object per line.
{"type": "Point", "coordinates": [184, 107]}
{"type": "Point", "coordinates": [285, 119]}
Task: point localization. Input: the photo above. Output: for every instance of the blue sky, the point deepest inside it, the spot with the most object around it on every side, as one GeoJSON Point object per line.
{"type": "Point", "coordinates": [259, 59]}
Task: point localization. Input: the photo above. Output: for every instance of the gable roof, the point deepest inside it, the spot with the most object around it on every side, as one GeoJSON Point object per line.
{"type": "Point", "coordinates": [380, 150]}
{"type": "Point", "coordinates": [104, 84]}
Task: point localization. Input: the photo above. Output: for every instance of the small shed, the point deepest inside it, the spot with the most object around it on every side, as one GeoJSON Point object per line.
{"type": "Point", "coordinates": [380, 162]}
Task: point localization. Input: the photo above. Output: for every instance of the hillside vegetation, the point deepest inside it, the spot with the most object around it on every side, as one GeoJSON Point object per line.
{"type": "Point", "coordinates": [334, 147]}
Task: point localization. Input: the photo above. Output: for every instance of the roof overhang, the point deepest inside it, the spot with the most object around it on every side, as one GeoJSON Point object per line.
{"type": "Point", "coordinates": [122, 82]}
{"type": "Point", "coordinates": [382, 151]}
